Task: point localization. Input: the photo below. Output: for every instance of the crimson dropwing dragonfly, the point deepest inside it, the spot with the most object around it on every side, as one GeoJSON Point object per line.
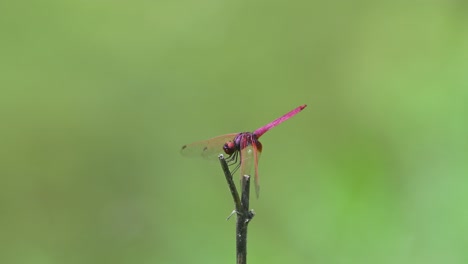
{"type": "Point", "coordinates": [243, 149]}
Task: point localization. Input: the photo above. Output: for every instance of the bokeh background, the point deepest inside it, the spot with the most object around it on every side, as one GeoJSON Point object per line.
{"type": "Point", "coordinates": [97, 97]}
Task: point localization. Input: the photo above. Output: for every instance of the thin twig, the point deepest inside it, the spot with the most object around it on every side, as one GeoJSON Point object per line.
{"type": "Point", "coordinates": [243, 220]}
{"type": "Point", "coordinates": [242, 208]}
{"type": "Point", "coordinates": [230, 182]}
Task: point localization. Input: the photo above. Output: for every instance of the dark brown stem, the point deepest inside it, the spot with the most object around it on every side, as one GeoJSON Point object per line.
{"type": "Point", "coordinates": [242, 209]}
{"type": "Point", "coordinates": [230, 182]}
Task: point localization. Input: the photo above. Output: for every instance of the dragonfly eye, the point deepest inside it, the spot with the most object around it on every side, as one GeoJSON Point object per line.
{"type": "Point", "coordinates": [229, 147]}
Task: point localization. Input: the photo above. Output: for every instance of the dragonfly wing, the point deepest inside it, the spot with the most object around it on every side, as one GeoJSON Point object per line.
{"type": "Point", "coordinates": [208, 149]}
{"type": "Point", "coordinates": [249, 158]}
{"type": "Point", "coordinates": [257, 150]}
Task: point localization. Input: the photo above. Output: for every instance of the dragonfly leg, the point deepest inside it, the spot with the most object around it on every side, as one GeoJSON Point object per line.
{"type": "Point", "coordinates": [235, 168]}
{"type": "Point", "coordinates": [233, 160]}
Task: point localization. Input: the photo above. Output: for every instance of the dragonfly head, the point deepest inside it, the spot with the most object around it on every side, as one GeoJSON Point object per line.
{"type": "Point", "coordinates": [229, 147]}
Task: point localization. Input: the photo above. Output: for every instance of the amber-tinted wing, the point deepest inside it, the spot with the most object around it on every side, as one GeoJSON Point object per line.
{"type": "Point", "coordinates": [208, 149]}
{"type": "Point", "coordinates": [250, 155]}
{"type": "Point", "coordinates": [257, 152]}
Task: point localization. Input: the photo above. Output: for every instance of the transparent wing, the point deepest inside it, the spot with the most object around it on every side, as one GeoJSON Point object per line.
{"type": "Point", "coordinates": [208, 149]}
{"type": "Point", "coordinates": [247, 160]}
{"type": "Point", "coordinates": [257, 151]}
{"type": "Point", "coordinates": [250, 154]}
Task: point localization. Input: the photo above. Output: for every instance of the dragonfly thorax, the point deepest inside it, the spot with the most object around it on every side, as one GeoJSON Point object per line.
{"type": "Point", "coordinates": [242, 140]}
{"type": "Point", "coordinates": [234, 145]}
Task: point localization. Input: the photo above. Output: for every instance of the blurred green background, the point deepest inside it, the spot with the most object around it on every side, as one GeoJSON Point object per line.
{"type": "Point", "coordinates": [97, 97]}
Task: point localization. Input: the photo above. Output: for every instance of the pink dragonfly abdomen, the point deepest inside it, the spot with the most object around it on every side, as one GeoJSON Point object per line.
{"type": "Point", "coordinates": [259, 132]}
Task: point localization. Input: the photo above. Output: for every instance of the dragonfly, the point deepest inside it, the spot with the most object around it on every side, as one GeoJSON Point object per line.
{"type": "Point", "coordinates": [243, 149]}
